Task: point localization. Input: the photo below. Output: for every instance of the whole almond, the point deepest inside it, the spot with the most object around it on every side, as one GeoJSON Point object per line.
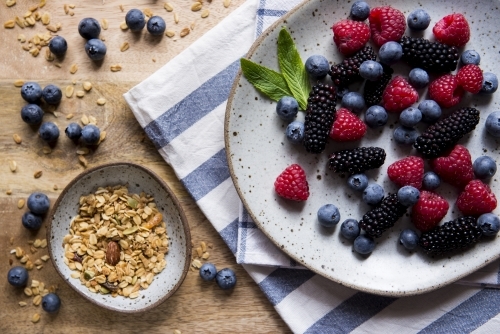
{"type": "Point", "coordinates": [112, 253]}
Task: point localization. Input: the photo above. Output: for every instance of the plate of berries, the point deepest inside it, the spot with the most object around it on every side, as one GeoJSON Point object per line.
{"type": "Point", "coordinates": [363, 140]}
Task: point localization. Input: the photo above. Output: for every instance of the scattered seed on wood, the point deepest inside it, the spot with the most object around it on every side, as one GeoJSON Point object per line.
{"type": "Point", "coordinates": [20, 203]}
{"type": "Point", "coordinates": [66, 9]}
{"type": "Point", "coordinates": [168, 7]}
{"type": "Point", "coordinates": [82, 151]}
{"type": "Point", "coordinates": [55, 187]}
{"type": "Point", "coordinates": [148, 12]}
{"type": "Point", "coordinates": [9, 24]}
{"type": "Point", "coordinates": [17, 138]}
{"type": "Point", "coordinates": [69, 116]}
{"type": "Point", "coordinates": [52, 28]}
{"type": "Point", "coordinates": [33, 8]}
{"type": "Point", "coordinates": [45, 18]}
{"type": "Point", "coordinates": [102, 136]}
{"type": "Point", "coordinates": [124, 46]}
{"type": "Point", "coordinates": [27, 14]}
{"type": "Point", "coordinates": [176, 18]}
{"type": "Point", "coordinates": [192, 25]}
{"type": "Point", "coordinates": [8, 192]}
{"type": "Point", "coordinates": [23, 304]}
{"type": "Point", "coordinates": [87, 86]}
{"type": "Point", "coordinates": [196, 6]}
{"type": "Point", "coordinates": [84, 120]}
{"type": "Point", "coordinates": [38, 174]}
{"type": "Point", "coordinates": [31, 20]}
{"type": "Point", "coordinates": [48, 55]}
{"type": "Point", "coordinates": [92, 120]}
{"type": "Point", "coordinates": [82, 160]}
{"type": "Point", "coordinates": [116, 68]}
{"type": "Point", "coordinates": [11, 240]}
{"type": "Point", "coordinates": [46, 150]}
{"type": "Point", "coordinates": [205, 13]}
{"type": "Point", "coordinates": [121, 8]}
{"type": "Point", "coordinates": [37, 16]}
{"type": "Point", "coordinates": [73, 69]}
{"type": "Point", "coordinates": [34, 51]}
{"type": "Point", "coordinates": [104, 24]}
{"type": "Point", "coordinates": [19, 22]}
{"type": "Point", "coordinates": [43, 244]}
{"type": "Point", "coordinates": [184, 32]}
{"type": "Point", "coordinates": [69, 91]}
{"type": "Point", "coordinates": [123, 26]}
{"type": "Point", "coordinates": [227, 3]}
{"type": "Point", "coordinates": [72, 6]}
{"type": "Point", "coordinates": [35, 318]}
{"type": "Point", "coordinates": [18, 83]}
{"type": "Point", "coordinates": [79, 93]}
{"type": "Point", "coordinates": [170, 33]}
{"type": "Point", "coordinates": [101, 101]}
{"type": "Point", "coordinates": [10, 3]}
{"type": "Point", "coordinates": [12, 165]}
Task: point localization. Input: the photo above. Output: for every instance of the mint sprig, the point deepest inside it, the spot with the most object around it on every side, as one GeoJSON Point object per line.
{"type": "Point", "coordinates": [293, 79]}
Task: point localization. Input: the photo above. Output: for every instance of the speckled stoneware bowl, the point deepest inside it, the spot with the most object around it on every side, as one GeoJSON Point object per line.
{"type": "Point", "coordinates": [258, 151]}
{"type": "Point", "coordinates": [138, 179]}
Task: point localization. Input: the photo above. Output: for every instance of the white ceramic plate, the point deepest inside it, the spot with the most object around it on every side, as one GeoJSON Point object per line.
{"type": "Point", "coordinates": [137, 179]}
{"type": "Point", "coordinates": [258, 152]}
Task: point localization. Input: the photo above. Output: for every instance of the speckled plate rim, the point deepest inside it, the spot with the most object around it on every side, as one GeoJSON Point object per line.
{"type": "Point", "coordinates": [255, 218]}
{"type": "Point", "coordinates": [177, 205]}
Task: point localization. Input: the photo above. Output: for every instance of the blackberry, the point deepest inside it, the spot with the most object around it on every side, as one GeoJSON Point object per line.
{"type": "Point", "coordinates": [373, 90]}
{"type": "Point", "coordinates": [383, 217]}
{"type": "Point", "coordinates": [348, 71]}
{"type": "Point", "coordinates": [320, 114]}
{"type": "Point", "coordinates": [444, 134]}
{"type": "Point", "coordinates": [430, 56]}
{"type": "Point", "coordinates": [452, 235]}
{"type": "Point", "coordinates": [357, 160]}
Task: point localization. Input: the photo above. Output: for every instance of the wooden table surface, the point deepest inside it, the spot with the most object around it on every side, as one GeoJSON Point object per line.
{"type": "Point", "coordinates": [197, 307]}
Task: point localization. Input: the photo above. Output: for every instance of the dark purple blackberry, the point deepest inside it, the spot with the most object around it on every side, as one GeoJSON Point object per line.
{"type": "Point", "coordinates": [320, 114]}
{"type": "Point", "coordinates": [347, 71]}
{"type": "Point", "coordinates": [357, 160]}
{"type": "Point", "coordinates": [373, 90]}
{"type": "Point", "coordinates": [444, 134]}
{"type": "Point", "coordinates": [452, 235]}
{"type": "Point", "coordinates": [383, 217]}
{"type": "Point", "coordinates": [430, 56]}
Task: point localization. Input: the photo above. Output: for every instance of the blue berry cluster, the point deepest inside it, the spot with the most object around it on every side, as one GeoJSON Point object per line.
{"type": "Point", "coordinates": [136, 21]}
{"type": "Point", "coordinates": [225, 278]}
{"type": "Point", "coordinates": [38, 204]}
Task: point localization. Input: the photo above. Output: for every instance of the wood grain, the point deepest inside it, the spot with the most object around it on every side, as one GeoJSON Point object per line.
{"type": "Point", "coordinates": [197, 307]}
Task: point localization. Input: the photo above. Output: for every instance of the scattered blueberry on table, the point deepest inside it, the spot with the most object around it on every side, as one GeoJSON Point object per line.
{"type": "Point", "coordinates": [390, 53]}
{"type": "Point", "coordinates": [51, 303]}
{"type": "Point", "coordinates": [431, 111]}
{"type": "Point", "coordinates": [58, 46]}
{"type": "Point", "coordinates": [490, 83]}
{"type": "Point", "coordinates": [492, 124]}
{"type": "Point", "coordinates": [31, 221]}
{"type": "Point", "coordinates": [410, 117]}
{"type": "Point", "coordinates": [431, 181]}
{"type": "Point", "coordinates": [409, 239]}
{"type": "Point", "coordinates": [32, 114]}
{"type": "Point", "coordinates": [226, 279]}
{"type": "Point", "coordinates": [73, 131]}
{"type": "Point", "coordinates": [90, 134]}
{"type": "Point", "coordinates": [208, 271]}
{"type": "Point", "coordinates": [484, 167]}
{"type": "Point", "coordinates": [419, 78]}
{"type": "Point", "coordinates": [18, 276]}
{"type": "Point", "coordinates": [489, 224]}
{"type": "Point", "coordinates": [376, 116]}
{"type": "Point", "coordinates": [295, 132]}
{"type": "Point", "coordinates": [317, 66]}
{"type": "Point", "coordinates": [357, 182]}
{"type": "Point", "coordinates": [328, 215]}
{"type": "Point", "coordinates": [95, 49]}
{"type": "Point", "coordinates": [364, 244]}
{"type": "Point", "coordinates": [405, 135]}
{"type": "Point", "coordinates": [349, 229]}
{"type": "Point", "coordinates": [31, 92]}
{"type": "Point", "coordinates": [373, 194]}
{"type": "Point", "coordinates": [287, 108]}
{"type": "Point", "coordinates": [360, 11]}
{"type": "Point", "coordinates": [353, 101]}
{"type": "Point", "coordinates": [51, 94]}
{"type": "Point", "coordinates": [418, 20]}
{"type": "Point", "coordinates": [38, 203]}
{"type": "Point", "coordinates": [89, 28]}
{"type": "Point", "coordinates": [408, 195]}
{"type": "Point", "coordinates": [469, 57]}
{"type": "Point", "coordinates": [156, 26]}
{"type": "Point", "coordinates": [49, 132]}
{"type": "Point", "coordinates": [135, 20]}
{"type": "Point", "coordinates": [371, 70]}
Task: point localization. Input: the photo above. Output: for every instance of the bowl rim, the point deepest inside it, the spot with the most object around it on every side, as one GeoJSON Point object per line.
{"type": "Point", "coordinates": [177, 205]}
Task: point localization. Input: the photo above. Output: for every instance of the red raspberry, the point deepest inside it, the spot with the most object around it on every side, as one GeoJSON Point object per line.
{"type": "Point", "coordinates": [455, 168]}
{"type": "Point", "coordinates": [292, 184]}
{"type": "Point", "coordinates": [446, 91]}
{"type": "Point", "coordinates": [470, 78]}
{"type": "Point", "coordinates": [428, 211]}
{"type": "Point", "coordinates": [408, 171]}
{"type": "Point", "coordinates": [452, 30]}
{"type": "Point", "coordinates": [347, 126]}
{"type": "Point", "coordinates": [399, 95]}
{"type": "Point", "coordinates": [476, 199]}
{"type": "Point", "coordinates": [350, 36]}
{"type": "Point", "coordinates": [386, 24]}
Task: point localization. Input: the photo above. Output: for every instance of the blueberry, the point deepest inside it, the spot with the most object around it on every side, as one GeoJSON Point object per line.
{"type": "Point", "coordinates": [371, 70]}
{"type": "Point", "coordinates": [58, 45]}
{"type": "Point", "coordinates": [51, 303]}
{"type": "Point", "coordinates": [32, 114]}
{"type": "Point", "coordinates": [376, 116]}
{"type": "Point", "coordinates": [418, 20]}
{"type": "Point", "coordinates": [364, 244]}
{"type": "Point", "coordinates": [89, 28]}
{"type": "Point", "coordinates": [390, 53]}
{"type": "Point", "coordinates": [208, 271]}
{"type": "Point", "coordinates": [18, 276]}
{"type": "Point", "coordinates": [31, 221]}
{"type": "Point", "coordinates": [350, 229]}
{"type": "Point", "coordinates": [317, 66]}
{"type": "Point", "coordinates": [73, 131]}
{"type": "Point", "coordinates": [52, 94]}
{"type": "Point", "coordinates": [470, 57]}
{"type": "Point", "coordinates": [373, 194]}
{"type": "Point", "coordinates": [357, 182]}
{"type": "Point", "coordinates": [492, 124]}
{"type": "Point", "coordinates": [484, 167]}
{"type": "Point", "coordinates": [408, 238]}
{"type": "Point", "coordinates": [38, 203]}
{"type": "Point", "coordinates": [287, 108]}
{"type": "Point", "coordinates": [418, 78]}
{"type": "Point", "coordinates": [135, 20]}
{"type": "Point", "coordinates": [408, 195]}
{"type": "Point", "coordinates": [95, 49]}
{"type": "Point", "coordinates": [431, 181]}
{"type": "Point", "coordinates": [405, 136]}
{"type": "Point", "coordinates": [90, 134]}
{"type": "Point", "coordinates": [31, 92]}
{"type": "Point", "coordinates": [328, 215]}
{"type": "Point", "coordinates": [431, 111]}
{"type": "Point", "coordinates": [295, 132]}
{"type": "Point", "coordinates": [341, 91]}
{"type": "Point", "coordinates": [490, 83]}
{"type": "Point", "coordinates": [489, 223]}
{"type": "Point", "coordinates": [410, 117]}
{"type": "Point", "coordinates": [360, 11]}
{"type": "Point", "coordinates": [226, 279]}
{"type": "Point", "coordinates": [354, 102]}
{"type": "Point", "coordinates": [156, 26]}
{"type": "Point", "coordinates": [49, 132]}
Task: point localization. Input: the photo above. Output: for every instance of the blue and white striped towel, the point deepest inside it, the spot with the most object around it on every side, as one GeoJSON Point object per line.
{"type": "Point", "coordinates": [181, 108]}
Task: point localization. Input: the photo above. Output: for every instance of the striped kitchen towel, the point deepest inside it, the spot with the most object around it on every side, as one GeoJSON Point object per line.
{"type": "Point", "coordinates": [181, 108]}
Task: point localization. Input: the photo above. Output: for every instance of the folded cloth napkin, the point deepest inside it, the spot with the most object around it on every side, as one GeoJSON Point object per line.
{"type": "Point", "coordinates": [181, 108]}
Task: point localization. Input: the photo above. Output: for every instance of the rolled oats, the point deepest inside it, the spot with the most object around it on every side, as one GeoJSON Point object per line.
{"type": "Point", "coordinates": [169, 33]}
{"type": "Point", "coordinates": [79, 93]}
{"type": "Point", "coordinates": [17, 138]}
{"type": "Point", "coordinates": [104, 24]}
{"type": "Point", "coordinates": [123, 26]}
{"type": "Point", "coordinates": [20, 203]}
{"type": "Point", "coordinates": [35, 318]}
{"type": "Point", "coordinates": [10, 3]}
{"type": "Point", "coordinates": [227, 3]}
{"type": "Point", "coordinates": [12, 165]}
{"type": "Point", "coordinates": [73, 69]}
{"type": "Point", "coordinates": [124, 46]}
{"type": "Point", "coordinates": [69, 91]}
{"type": "Point", "coordinates": [205, 13]}
{"type": "Point", "coordinates": [196, 6]}
{"type": "Point", "coordinates": [184, 32]}
{"type": "Point", "coordinates": [101, 101]}
{"type": "Point", "coordinates": [9, 24]}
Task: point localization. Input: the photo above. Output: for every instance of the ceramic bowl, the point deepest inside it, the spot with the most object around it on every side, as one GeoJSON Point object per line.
{"type": "Point", "coordinates": [137, 179]}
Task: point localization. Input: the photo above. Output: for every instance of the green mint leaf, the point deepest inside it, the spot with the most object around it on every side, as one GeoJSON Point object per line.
{"type": "Point", "coordinates": [269, 82]}
{"type": "Point", "coordinates": [293, 68]}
